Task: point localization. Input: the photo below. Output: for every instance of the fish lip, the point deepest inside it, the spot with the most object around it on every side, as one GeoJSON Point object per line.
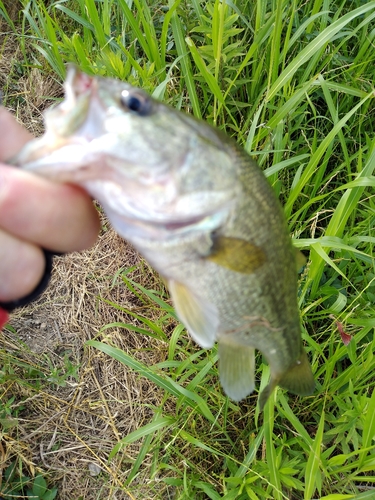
{"type": "Point", "coordinates": [78, 83]}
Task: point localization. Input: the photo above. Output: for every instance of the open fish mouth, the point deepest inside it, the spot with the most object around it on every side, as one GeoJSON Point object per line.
{"type": "Point", "coordinates": [176, 225]}
{"type": "Point", "coordinates": [181, 224]}
{"type": "Point", "coordinates": [164, 226]}
{"type": "Point", "coordinates": [204, 221]}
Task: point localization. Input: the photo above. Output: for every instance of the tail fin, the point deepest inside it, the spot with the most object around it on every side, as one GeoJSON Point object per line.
{"type": "Point", "coordinates": [298, 379]}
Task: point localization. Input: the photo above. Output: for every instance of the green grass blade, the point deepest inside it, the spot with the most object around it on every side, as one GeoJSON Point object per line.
{"type": "Point", "coordinates": [312, 466]}
{"type": "Point", "coordinates": [154, 333]}
{"type": "Point", "coordinates": [186, 69]}
{"type": "Point", "coordinates": [164, 382]}
{"type": "Point", "coordinates": [368, 426]}
{"type": "Point", "coordinates": [347, 205]}
{"type": "Point", "coordinates": [76, 17]}
{"type": "Point", "coordinates": [251, 454]}
{"type": "Point", "coordinates": [349, 201]}
{"type": "Point", "coordinates": [274, 62]}
{"type": "Point", "coordinates": [4, 13]}
{"type": "Point", "coordinates": [165, 31]}
{"type": "Point", "coordinates": [207, 75]}
{"type": "Point", "coordinates": [138, 34]}
{"type": "Point", "coordinates": [315, 159]}
{"type": "Point", "coordinates": [151, 428]}
{"type": "Point", "coordinates": [337, 496]}
{"type": "Point", "coordinates": [159, 333]}
{"type": "Point", "coordinates": [199, 444]}
{"type": "Point", "coordinates": [270, 449]}
{"type": "Point", "coordinates": [155, 298]}
{"type": "Point", "coordinates": [96, 21]}
{"type": "Point", "coordinates": [315, 46]}
{"type": "Point", "coordinates": [149, 32]}
{"type": "Point", "coordinates": [287, 412]}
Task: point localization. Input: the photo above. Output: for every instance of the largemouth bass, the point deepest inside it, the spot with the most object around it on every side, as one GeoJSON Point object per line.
{"type": "Point", "coordinates": [199, 209]}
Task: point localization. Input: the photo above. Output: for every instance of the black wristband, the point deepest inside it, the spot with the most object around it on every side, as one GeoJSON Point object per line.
{"type": "Point", "coordinates": [42, 285]}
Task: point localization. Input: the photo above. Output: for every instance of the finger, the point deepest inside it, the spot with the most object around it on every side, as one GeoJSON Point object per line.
{"type": "Point", "coordinates": [59, 217]}
{"type": "Point", "coordinates": [21, 267]}
{"type": "Point", "coordinates": [13, 135]}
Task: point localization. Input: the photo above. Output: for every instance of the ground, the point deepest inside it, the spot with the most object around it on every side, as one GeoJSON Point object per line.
{"type": "Point", "coordinates": [72, 403]}
{"type": "Point", "coordinates": [68, 426]}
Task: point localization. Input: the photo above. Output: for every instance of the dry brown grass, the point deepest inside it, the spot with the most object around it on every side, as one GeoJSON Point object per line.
{"type": "Point", "coordinates": [67, 429]}
{"type": "Point", "coordinates": [26, 95]}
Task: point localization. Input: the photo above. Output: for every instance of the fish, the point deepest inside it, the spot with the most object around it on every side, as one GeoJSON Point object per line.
{"type": "Point", "coordinates": [199, 210]}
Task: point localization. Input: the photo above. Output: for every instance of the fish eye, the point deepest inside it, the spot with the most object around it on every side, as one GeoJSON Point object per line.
{"type": "Point", "coordinates": [136, 102]}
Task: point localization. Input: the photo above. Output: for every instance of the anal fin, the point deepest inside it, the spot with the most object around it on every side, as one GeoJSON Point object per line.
{"type": "Point", "coordinates": [236, 368]}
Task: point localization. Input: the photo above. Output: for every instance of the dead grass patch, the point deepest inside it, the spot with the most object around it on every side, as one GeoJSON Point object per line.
{"type": "Point", "coordinates": [69, 425]}
{"type": "Point", "coordinates": [69, 405]}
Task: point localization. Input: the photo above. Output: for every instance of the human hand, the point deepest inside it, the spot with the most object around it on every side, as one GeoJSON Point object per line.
{"type": "Point", "coordinates": [35, 214]}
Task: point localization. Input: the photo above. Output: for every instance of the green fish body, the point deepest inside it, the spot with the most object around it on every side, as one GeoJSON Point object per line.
{"type": "Point", "coordinates": [198, 209]}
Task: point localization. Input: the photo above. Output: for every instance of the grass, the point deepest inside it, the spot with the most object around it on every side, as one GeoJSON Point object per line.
{"type": "Point", "coordinates": [292, 81]}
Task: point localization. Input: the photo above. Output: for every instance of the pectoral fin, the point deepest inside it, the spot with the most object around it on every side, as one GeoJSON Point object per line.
{"type": "Point", "coordinates": [236, 254]}
{"type": "Point", "coordinates": [236, 368]}
{"type": "Point", "coordinates": [199, 316]}
{"type": "Point", "coordinates": [298, 379]}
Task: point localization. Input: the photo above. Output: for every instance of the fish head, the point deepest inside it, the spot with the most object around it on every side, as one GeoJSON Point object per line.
{"type": "Point", "coordinates": [153, 168]}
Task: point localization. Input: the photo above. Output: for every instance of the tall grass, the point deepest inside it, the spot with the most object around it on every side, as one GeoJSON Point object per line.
{"type": "Point", "coordinates": [292, 81]}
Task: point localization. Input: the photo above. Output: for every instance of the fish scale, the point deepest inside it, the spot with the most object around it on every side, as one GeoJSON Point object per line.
{"type": "Point", "coordinates": [198, 208]}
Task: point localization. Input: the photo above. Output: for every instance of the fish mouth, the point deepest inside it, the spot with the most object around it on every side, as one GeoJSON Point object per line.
{"type": "Point", "coordinates": [161, 205]}
{"type": "Point", "coordinates": [178, 225]}
{"type": "Point", "coordinates": [210, 221]}
{"type": "Point", "coordinates": [182, 224]}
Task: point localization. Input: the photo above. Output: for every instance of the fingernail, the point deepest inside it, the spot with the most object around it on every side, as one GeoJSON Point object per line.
{"type": "Point", "coordinates": [4, 316]}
